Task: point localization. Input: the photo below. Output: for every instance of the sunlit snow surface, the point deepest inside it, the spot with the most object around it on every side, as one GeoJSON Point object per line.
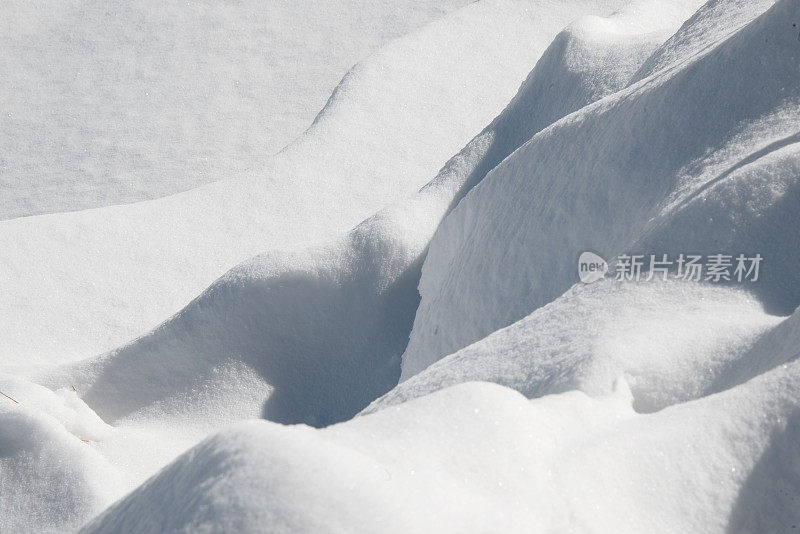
{"type": "Point", "coordinates": [109, 102]}
{"type": "Point", "coordinates": [319, 345]}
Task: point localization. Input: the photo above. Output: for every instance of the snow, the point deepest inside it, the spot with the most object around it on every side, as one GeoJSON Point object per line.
{"type": "Point", "coordinates": [109, 103]}
{"type": "Point", "coordinates": [673, 341]}
{"type": "Point", "coordinates": [49, 478]}
{"type": "Point", "coordinates": [565, 462]}
{"type": "Point", "coordinates": [316, 333]}
{"type": "Point", "coordinates": [718, 118]}
{"type": "Point", "coordinates": [381, 328]}
{"type": "Point", "coordinates": [83, 283]}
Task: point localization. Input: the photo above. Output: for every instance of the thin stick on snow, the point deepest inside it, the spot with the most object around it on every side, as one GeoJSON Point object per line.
{"type": "Point", "coordinates": [10, 398]}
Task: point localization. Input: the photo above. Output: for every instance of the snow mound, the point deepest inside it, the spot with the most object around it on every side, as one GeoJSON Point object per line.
{"type": "Point", "coordinates": [316, 334]}
{"type": "Point", "coordinates": [778, 346]}
{"type": "Point", "coordinates": [51, 477]}
{"type": "Point", "coordinates": [633, 173]}
{"type": "Point", "coordinates": [672, 341]}
{"type": "Point", "coordinates": [712, 23]}
{"type": "Point", "coordinates": [83, 283]}
{"type": "Point", "coordinates": [528, 401]}
{"type": "Point", "coordinates": [479, 457]}
{"type": "Point", "coordinates": [591, 58]}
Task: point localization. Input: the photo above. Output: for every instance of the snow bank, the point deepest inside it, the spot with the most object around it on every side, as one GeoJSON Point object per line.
{"type": "Point", "coordinates": [686, 414]}
{"type": "Point", "coordinates": [589, 59]}
{"type": "Point", "coordinates": [774, 348]}
{"type": "Point", "coordinates": [51, 478]}
{"type": "Point", "coordinates": [83, 283]}
{"type": "Point", "coordinates": [672, 341]}
{"type": "Point", "coordinates": [317, 333]}
{"type": "Point", "coordinates": [479, 457]}
{"type": "Point", "coordinates": [715, 21]}
{"type": "Point", "coordinates": [634, 173]}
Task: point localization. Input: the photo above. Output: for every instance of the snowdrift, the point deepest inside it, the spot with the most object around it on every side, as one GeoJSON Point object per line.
{"type": "Point", "coordinates": [700, 157]}
{"type": "Point", "coordinates": [49, 478]}
{"type": "Point", "coordinates": [527, 402]}
{"type": "Point", "coordinates": [479, 457]}
{"type": "Point", "coordinates": [80, 284]}
{"type": "Point", "coordinates": [673, 341]}
{"type": "Point", "coordinates": [317, 333]}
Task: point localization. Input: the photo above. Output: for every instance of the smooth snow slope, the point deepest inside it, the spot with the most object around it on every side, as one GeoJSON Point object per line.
{"type": "Point", "coordinates": [323, 328]}
{"type": "Point", "coordinates": [479, 458]}
{"type": "Point", "coordinates": [82, 283]}
{"type": "Point", "coordinates": [113, 102]}
{"type": "Point", "coordinates": [698, 158]}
